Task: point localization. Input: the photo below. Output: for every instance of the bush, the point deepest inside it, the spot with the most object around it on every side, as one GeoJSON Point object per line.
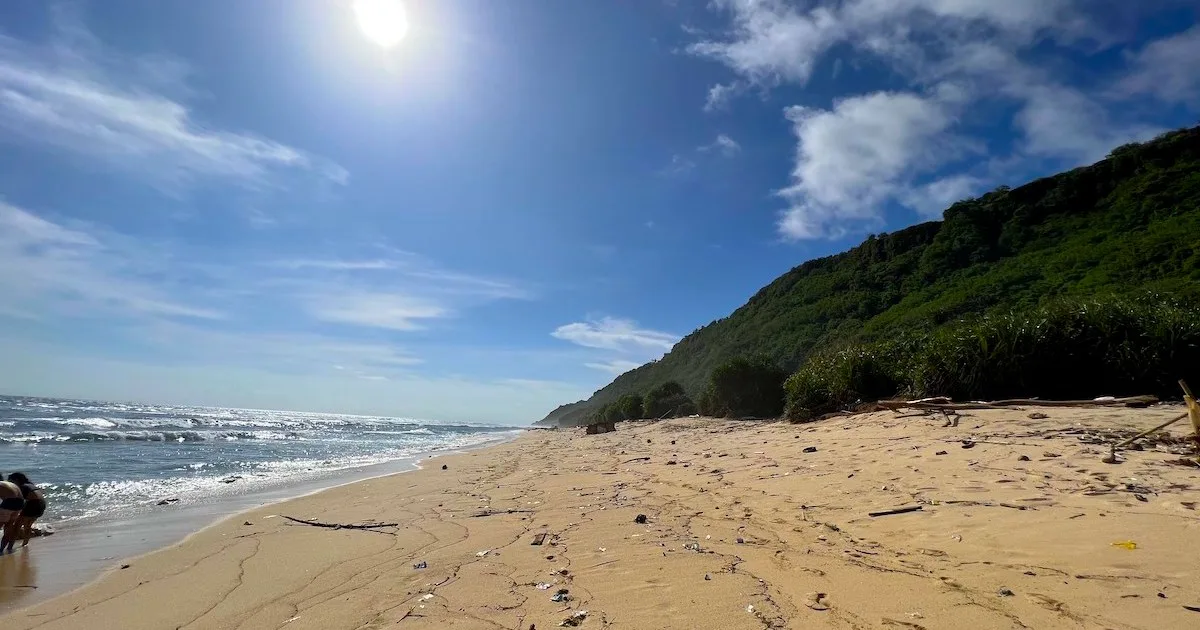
{"type": "Point", "coordinates": [745, 387]}
{"type": "Point", "coordinates": [707, 404]}
{"type": "Point", "coordinates": [1065, 350]}
{"type": "Point", "coordinates": [833, 380]}
{"type": "Point", "coordinates": [667, 400]}
{"type": "Point", "coordinates": [629, 406]}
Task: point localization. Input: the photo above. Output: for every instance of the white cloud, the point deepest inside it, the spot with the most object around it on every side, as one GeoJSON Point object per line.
{"type": "Point", "coordinates": [616, 367]}
{"type": "Point", "coordinates": [858, 155]}
{"type": "Point", "coordinates": [680, 165]}
{"type": "Point", "coordinates": [1062, 122]}
{"type": "Point", "coordinates": [336, 264]}
{"type": "Point", "coordinates": [46, 267]}
{"type": "Point", "coordinates": [866, 151]}
{"type": "Point", "coordinates": [76, 97]}
{"type": "Point", "coordinates": [612, 333]}
{"type": "Point", "coordinates": [724, 145]}
{"type": "Point", "coordinates": [776, 41]}
{"type": "Point", "coordinates": [1167, 68]}
{"type": "Point", "coordinates": [375, 309]}
{"type": "Point", "coordinates": [720, 94]}
{"type": "Point", "coordinates": [771, 42]}
{"type": "Point", "coordinates": [932, 198]}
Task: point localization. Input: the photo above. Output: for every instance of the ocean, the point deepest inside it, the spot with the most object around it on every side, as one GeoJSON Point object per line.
{"type": "Point", "coordinates": [104, 460]}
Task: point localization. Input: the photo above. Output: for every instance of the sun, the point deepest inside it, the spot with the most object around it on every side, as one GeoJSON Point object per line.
{"type": "Point", "coordinates": [382, 21]}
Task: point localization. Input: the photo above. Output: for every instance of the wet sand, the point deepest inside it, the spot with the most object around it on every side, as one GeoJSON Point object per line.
{"type": "Point", "coordinates": [744, 529]}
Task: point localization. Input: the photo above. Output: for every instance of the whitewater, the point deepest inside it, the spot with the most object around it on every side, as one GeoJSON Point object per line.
{"type": "Point", "coordinates": [97, 459]}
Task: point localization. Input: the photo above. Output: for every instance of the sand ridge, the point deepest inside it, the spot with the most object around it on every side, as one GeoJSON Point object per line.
{"type": "Point", "coordinates": [744, 529]}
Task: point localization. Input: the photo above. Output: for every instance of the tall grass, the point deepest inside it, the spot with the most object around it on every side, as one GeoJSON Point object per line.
{"type": "Point", "coordinates": [1063, 350]}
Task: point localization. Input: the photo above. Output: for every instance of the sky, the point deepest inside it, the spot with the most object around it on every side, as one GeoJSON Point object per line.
{"type": "Point", "coordinates": [257, 204]}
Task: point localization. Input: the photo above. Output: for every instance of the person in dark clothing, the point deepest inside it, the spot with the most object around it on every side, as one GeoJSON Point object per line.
{"type": "Point", "coordinates": [22, 525]}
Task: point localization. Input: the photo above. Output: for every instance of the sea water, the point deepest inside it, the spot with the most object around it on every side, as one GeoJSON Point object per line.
{"type": "Point", "coordinates": [103, 460]}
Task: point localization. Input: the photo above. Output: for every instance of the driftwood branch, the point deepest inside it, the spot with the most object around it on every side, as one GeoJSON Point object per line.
{"type": "Point", "coordinates": [903, 510]}
{"type": "Point", "coordinates": [636, 459]}
{"type": "Point", "coordinates": [945, 404]}
{"type": "Point", "coordinates": [1149, 431]}
{"type": "Point", "coordinates": [366, 526]}
{"type": "Point", "coordinates": [495, 512]}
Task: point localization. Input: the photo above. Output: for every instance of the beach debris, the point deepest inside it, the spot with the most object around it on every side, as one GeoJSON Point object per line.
{"type": "Point", "coordinates": [692, 546]}
{"type": "Point", "coordinates": [562, 595]}
{"type": "Point", "coordinates": [671, 462]}
{"type": "Point", "coordinates": [810, 449]}
{"type": "Point", "coordinates": [1125, 544]}
{"type": "Point", "coordinates": [899, 510]}
{"type": "Point", "coordinates": [1005, 592]}
{"type": "Point", "coordinates": [487, 513]}
{"type": "Point", "coordinates": [426, 597]}
{"type": "Point", "coordinates": [363, 526]}
{"type": "Point", "coordinates": [1191, 608]}
{"type": "Point", "coordinates": [750, 608]}
{"type": "Point", "coordinates": [1037, 415]}
{"type": "Point", "coordinates": [444, 467]}
{"type": "Point", "coordinates": [707, 577]}
{"type": "Point", "coordinates": [287, 621]}
{"type": "Point", "coordinates": [1162, 595]}
{"type": "Point", "coordinates": [421, 565]}
{"type": "Point", "coordinates": [942, 453]}
{"type": "Point", "coordinates": [1141, 497]}
{"type": "Point", "coordinates": [968, 444]}
{"type": "Point", "coordinates": [575, 619]}
{"type": "Point", "coordinates": [740, 540]}
{"type": "Point", "coordinates": [483, 553]}
{"type": "Point", "coordinates": [126, 566]}
{"type": "Point", "coordinates": [601, 549]}
{"type": "Point", "coordinates": [539, 539]}
{"type": "Point", "coordinates": [247, 523]}
{"type": "Point", "coordinates": [543, 586]}
{"type": "Point", "coordinates": [231, 479]}
{"type": "Point", "coordinates": [1051, 455]}
{"type": "Point", "coordinates": [168, 501]}
{"type": "Point", "coordinates": [1023, 458]}
{"type": "Point", "coordinates": [636, 459]}
{"type": "Point", "coordinates": [672, 441]}
{"type": "Point", "coordinates": [816, 601]}
{"type": "Point", "coordinates": [640, 519]}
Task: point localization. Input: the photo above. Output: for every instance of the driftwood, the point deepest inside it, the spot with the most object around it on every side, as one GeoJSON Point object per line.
{"type": "Point", "coordinates": [636, 459]}
{"type": "Point", "coordinates": [945, 404]}
{"type": "Point", "coordinates": [495, 512]}
{"type": "Point", "coordinates": [903, 510]}
{"type": "Point", "coordinates": [366, 526]}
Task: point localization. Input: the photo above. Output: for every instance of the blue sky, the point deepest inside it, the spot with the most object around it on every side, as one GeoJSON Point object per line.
{"type": "Point", "coordinates": [251, 204]}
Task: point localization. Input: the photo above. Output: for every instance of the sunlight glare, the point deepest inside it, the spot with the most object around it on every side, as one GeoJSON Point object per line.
{"type": "Point", "coordinates": [382, 21]}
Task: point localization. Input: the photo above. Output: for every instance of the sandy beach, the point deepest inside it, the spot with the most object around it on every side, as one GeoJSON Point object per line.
{"type": "Point", "coordinates": [747, 525]}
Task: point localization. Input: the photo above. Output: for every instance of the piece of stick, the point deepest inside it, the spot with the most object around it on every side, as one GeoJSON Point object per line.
{"type": "Point", "coordinates": [945, 404]}
{"type": "Point", "coordinates": [1149, 431]}
{"type": "Point", "coordinates": [903, 510]}
{"type": "Point", "coordinates": [495, 512]}
{"type": "Point", "coordinates": [636, 459]}
{"type": "Point", "coordinates": [368, 526]}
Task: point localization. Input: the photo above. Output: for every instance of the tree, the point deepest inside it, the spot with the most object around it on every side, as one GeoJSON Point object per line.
{"type": "Point", "coordinates": [749, 387]}
{"type": "Point", "coordinates": [668, 400]}
{"type": "Point", "coordinates": [629, 406]}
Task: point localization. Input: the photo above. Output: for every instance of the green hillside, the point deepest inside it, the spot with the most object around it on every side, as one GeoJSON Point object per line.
{"type": "Point", "coordinates": [1126, 225]}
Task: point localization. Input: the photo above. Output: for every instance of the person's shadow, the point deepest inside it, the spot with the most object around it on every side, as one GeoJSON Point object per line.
{"type": "Point", "coordinates": [18, 577]}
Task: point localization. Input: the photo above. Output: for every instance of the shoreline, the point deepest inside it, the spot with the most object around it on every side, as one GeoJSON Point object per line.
{"type": "Point", "coordinates": [91, 553]}
{"type": "Point", "coordinates": [703, 523]}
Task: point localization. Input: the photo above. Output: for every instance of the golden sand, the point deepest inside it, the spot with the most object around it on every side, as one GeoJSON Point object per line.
{"type": "Point", "coordinates": [744, 529]}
